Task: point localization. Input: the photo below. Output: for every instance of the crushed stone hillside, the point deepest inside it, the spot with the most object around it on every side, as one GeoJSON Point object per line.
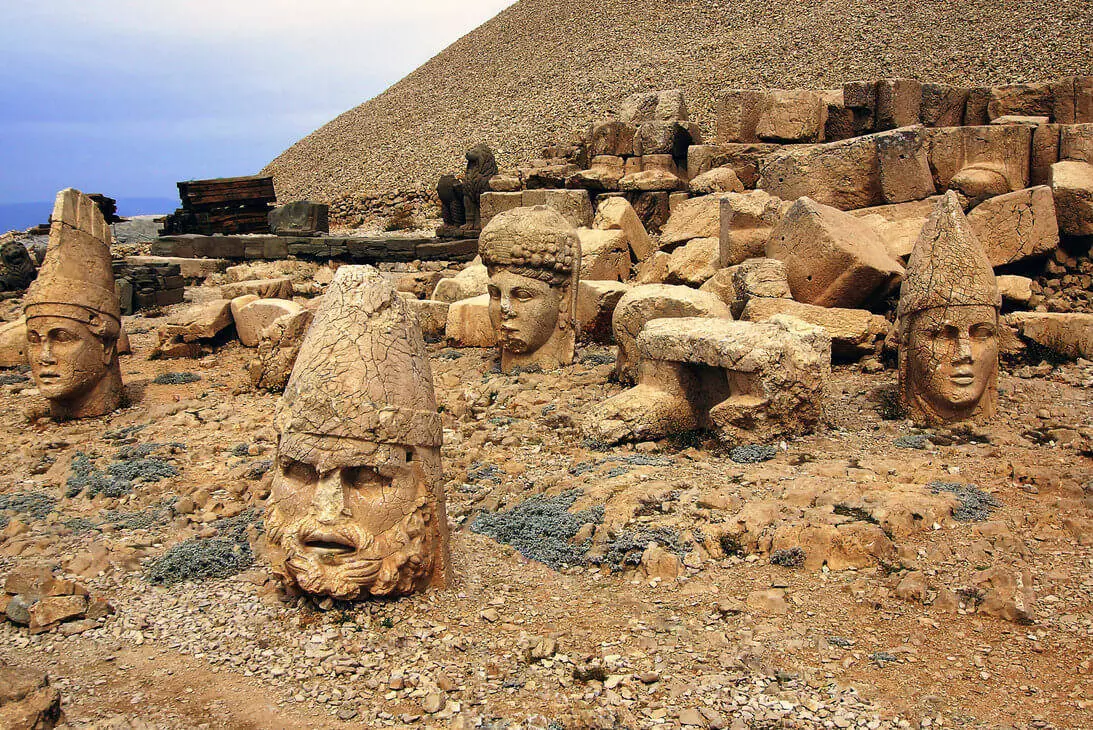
{"type": "Point", "coordinates": [542, 68]}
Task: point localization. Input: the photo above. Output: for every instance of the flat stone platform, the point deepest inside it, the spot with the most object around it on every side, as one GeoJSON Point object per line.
{"type": "Point", "coordinates": [355, 249]}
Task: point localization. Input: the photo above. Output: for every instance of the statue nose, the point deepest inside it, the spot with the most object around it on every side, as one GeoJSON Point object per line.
{"type": "Point", "coordinates": [963, 349]}
{"type": "Point", "coordinates": [329, 500]}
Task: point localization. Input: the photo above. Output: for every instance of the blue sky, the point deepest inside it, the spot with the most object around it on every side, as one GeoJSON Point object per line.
{"type": "Point", "coordinates": [127, 97]}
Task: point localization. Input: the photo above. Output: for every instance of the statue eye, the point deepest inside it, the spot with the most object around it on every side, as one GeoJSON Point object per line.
{"type": "Point", "coordinates": [982, 331]}
{"type": "Point", "coordinates": [33, 337]}
{"type": "Point", "coordinates": [63, 336]}
{"type": "Point", "coordinates": [523, 294]}
{"type": "Point", "coordinates": [299, 471]}
{"type": "Point", "coordinates": [495, 293]}
{"type": "Point", "coordinates": [359, 476]}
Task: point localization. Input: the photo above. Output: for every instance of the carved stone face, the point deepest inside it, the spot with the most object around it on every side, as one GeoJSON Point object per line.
{"type": "Point", "coordinates": [66, 358]}
{"type": "Point", "coordinates": [523, 311]}
{"type": "Point", "coordinates": [952, 359]}
{"type": "Point", "coordinates": [351, 525]}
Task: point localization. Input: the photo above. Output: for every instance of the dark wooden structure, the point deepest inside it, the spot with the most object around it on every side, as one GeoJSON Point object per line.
{"type": "Point", "coordinates": [226, 205]}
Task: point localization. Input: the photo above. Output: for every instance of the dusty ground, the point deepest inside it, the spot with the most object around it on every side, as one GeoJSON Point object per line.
{"type": "Point", "coordinates": [735, 641]}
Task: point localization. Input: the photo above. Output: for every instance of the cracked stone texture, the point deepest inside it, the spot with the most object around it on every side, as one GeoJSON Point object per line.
{"type": "Point", "coordinates": [746, 222]}
{"type": "Point", "coordinates": [1016, 226]}
{"type": "Point", "coordinates": [618, 214]}
{"type": "Point", "coordinates": [758, 277]}
{"type": "Point", "coordinates": [854, 332]}
{"type": "Point", "coordinates": [1002, 149]}
{"type": "Point", "coordinates": [605, 255]}
{"type": "Point", "coordinates": [1072, 187]}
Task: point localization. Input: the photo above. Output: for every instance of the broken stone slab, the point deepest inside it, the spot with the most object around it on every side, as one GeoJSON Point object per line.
{"type": "Point", "coordinates": [1003, 150]}
{"type": "Point", "coordinates": [252, 318]}
{"type": "Point", "coordinates": [898, 103]}
{"type": "Point", "coordinates": [654, 301]}
{"type": "Point", "coordinates": [737, 113]}
{"type": "Point", "coordinates": [899, 224]}
{"type": "Point", "coordinates": [595, 179]}
{"type": "Point", "coordinates": [1015, 290]}
{"type": "Point", "coordinates": [1018, 119]}
{"type": "Point", "coordinates": [1020, 99]}
{"type": "Point", "coordinates": [653, 270]}
{"type": "Point", "coordinates": [469, 323]}
{"type": "Point", "coordinates": [942, 105]}
{"type": "Point", "coordinates": [694, 218]}
{"type": "Point", "coordinates": [188, 268]}
{"type": "Point", "coordinates": [746, 222]}
{"type": "Point", "coordinates": [605, 255]}
{"type": "Point", "coordinates": [492, 203]}
{"type": "Point", "coordinates": [596, 302]}
{"type": "Point", "coordinates": [300, 218]}
{"type": "Point", "coordinates": [432, 316]}
{"type": "Point", "coordinates": [666, 138]}
{"type": "Point", "coordinates": [1044, 152]}
{"type": "Point", "coordinates": [278, 347]}
{"type": "Point", "coordinates": [904, 165]}
{"type": "Point", "coordinates": [617, 214]}
{"type": "Point", "coordinates": [1076, 142]}
{"type": "Point", "coordinates": [651, 181]}
{"type": "Point", "coordinates": [471, 281]}
{"type": "Point", "coordinates": [694, 262]}
{"type": "Point", "coordinates": [743, 158]}
{"type": "Point", "coordinates": [855, 333]}
{"type": "Point", "coordinates": [199, 322]}
{"type": "Point", "coordinates": [49, 611]}
{"type": "Point", "coordinates": [1016, 226]}
{"type": "Point", "coordinates": [1069, 334]}
{"type": "Point", "coordinates": [278, 288]}
{"type": "Point", "coordinates": [1072, 188]}
{"type": "Point", "coordinates": [27, 701]}
{"type": "Point", "coordinates": [717, 180]}
{"type": "Point", "coordinates": [754, 278]}
{"type": "Point", "coordinates": [13, 343]}
{"type": "Point", "coordinates": [793, 115]}
{"type": "Point", "coordinates": [832, 258]}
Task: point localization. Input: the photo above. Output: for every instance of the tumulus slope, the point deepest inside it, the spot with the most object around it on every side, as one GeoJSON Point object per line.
{"type": "Point", "coordinates": [542, 68]}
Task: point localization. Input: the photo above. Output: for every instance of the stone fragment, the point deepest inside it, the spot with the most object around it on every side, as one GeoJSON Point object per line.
{"type": "Point", "coordinates": [912, 587]}
{"type": "Point", "coordinates": [200, 321]}
{"type": "Point", "coordinates": [278, 288]}
{"type": "Point", "coordinates": [653, 270]}
{"type": "Point", "coordinates": [653, 209]}
{"type": "Point", "coordinates": [666, 138]}
{"type": "Point", "coordinates": [771, 601]}
{"type": "Point", "coordinates": [832, 259]}
{"type": "Point", "coordinates": [1072, 100]}
{"type": "Point", "coordinates": [31, 580]}
{"type": "Point", "coordinates": [1014, 289]}
{"type": "Point", "coordinates": [13, 343]}
{"type": "Point", "coordinates": [694, 218]}
{"type": "Point", "coordinates": [612, 138]}
{"type": "Point", "coordinates": [618, 214]}
{"type": "Point", "coordinates": [1020, 99]}
{"type": "Point", "coordinates": [1072, 188]}
{"type": "Point", "coordinates": [493, 203]}
{"type": "Point", "coordinates": [500, 183]}
{"type": "Point", "coordinates": [899, 103]}
{"type": "Point", "coordinates": [471, 281]}
{"type": "Point", "coordinates": [52, 610]}
{"type": "Point", "coordinates": [904, 165]}
{"type": "Point", "coordinates": [737, 112]}
{"type": "Point", "coordinates": [252, 318]}
{"type": "Point", "coordinates": [278, 347]}
{"type": "Point", "coordinates": [1007, 594]}
{"type": "Point", "coordinates": [1018, 119]}
{"type": "Point", "coordinates": [1044, 153]}
{"type": "Point", "coordinates": [717, 180]}
{"type": "Point", "coordinates": [742, 158]}
{"type": "Point", "coordinates": [596, 302]}
{"type": "Point", "coordinates": [694, 262]}
{"type": "Point", "coordinates": [1076, 142]}
{"type": "Point", "coordinates": [300, 218]}
{"type": "Point", "coordinates": [746, 222]}
{"type": "Point", "coordinates": [845, 174]}
{"type": "Point", "coordinates": [597, 179]}
{"type": "Point", "coordinates": [189, 269]}
{"type": "Point", "coordinates": [469, 323]}
{"type": "Point", "coordinates": [656, 562]}
{"type": "Point", "coordinates": [975, 109]}
{"type": "Point", "coordinates": [656, 180]}
{"type": "Point", "coordinates": [357, 473]}
{"type": "Point", "coordinates": [796, 115]}
{"type": "Point", "coordinates": [942, 105]}
{"type": "Point", "coordinates": [27, 701]}
{"type": "Point", "coordinates": [1016, 226]}
{"type": "Point", "coordinates": [605, 255]}
{"type": "Point", "coordinates": [654, 106]}
{"type": "Point", "coordinates": [432, 316]}
{"type": "Point", "coordinates": [855, 333]}
{"type": "Point", "coordinates": [653, 301]}
{"type": "Point", "coordinates": [754, 278]}
{"type": "Point", "coordinates": [999, 150]}
{"type": "Point", "coordinates": [1069, 334]}
{"type": "Point", "coordinates": [573, 205]}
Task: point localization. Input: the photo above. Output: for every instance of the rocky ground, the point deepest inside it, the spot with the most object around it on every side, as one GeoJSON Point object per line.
{"type": "Point", "coordinates": [871, 575]}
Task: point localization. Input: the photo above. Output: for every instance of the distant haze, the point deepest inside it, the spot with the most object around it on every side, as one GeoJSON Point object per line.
{"type": "Point", "coordinates": [20, 216]}
{"type": "Point", "coordinates": [127, 97]}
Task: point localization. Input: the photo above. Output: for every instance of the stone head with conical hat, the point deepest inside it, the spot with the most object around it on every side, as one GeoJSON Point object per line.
{"type": "Point", "coordinates": [356, 506]}
{"type": "Point", "coordinates": [533, 257]}
{"type": "Point", "coordinates": [73, 316]}
{"type": "Point", "coordinates": [948, 315]}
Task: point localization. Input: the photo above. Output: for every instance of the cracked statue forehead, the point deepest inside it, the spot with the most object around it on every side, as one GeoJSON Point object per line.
{"type": "Point", "coordinates": [959, 314]}
{"type": "Point", "coordinates": [327, 453]}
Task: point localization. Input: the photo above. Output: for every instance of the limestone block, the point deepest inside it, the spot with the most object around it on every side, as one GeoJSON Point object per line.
{"type": "Point", "coordinates": [300, 218]}
{"type": "Point", "coordinates": [52, 610]}
{"type": "Point", "coordinates": [469, 323]}
{"type": "Point", "coordinates": [899, 224]}
{"type": "Point", "coordinates": [737, 112]}
{"type": "Point", "coordinates": [746, 222]}
{"type": "Point", "coordinates": [595, 179]}
{"type": "Point", "coordinates": [899, 103]}
{"type": "Point", "coordinates": [666, 138]}
{"type": "Point", "coordinates": [1002, 149]}
{"type": "Point", "coordinates": [1076, 142]}
{"type": "Point", "coordinates": [1016, 226]}
{"type": "Point", "coordinates": [1020, 99]}
{"type": "Point", "coordinates": [1069, 334]}
{"type": "Point", "coordinates": [832, 258]}
{"type": "Point", "coordinates": [1020, 119]}
{"type": "Point", "coordinates": [755, 278]}
{"type": "Point", "coordinates": [547, 177]}
{"type": "Point", "coordinates": [605, 255]}
{"type": "Point", "coordinates": [492, 203]}
{"type": "Point", "coordinates": [13, 343]}
{"type": "Point", "coordinates": [975, 108]}
{"type": "Point", "coordinates": [618, 214]}
{"type": "Point", "coordinates": [653, 270]}
{"type": "Point", "coordinates": [854, 332]}
{"type": "Point", "coordinates": [695, 218]}
{"type": "Point", "coordinates": [278, 346]}
{"type": "Point", "coordinates": [279, 288]}
{"type": "Point", "coordinates": [694, 262]}
{"type": "Point", "coordinates": [1072, 187]}
{"type": "Point", "coordinates": [472, 281]}
{"type": "Point", "coordinates": [654, 106]}
{"type": "Point", "coordinates": [904, 165]}
{"type": "Point", "coordinates": [1044, 152]}
{"type": "Point", "coordinates": [612, 138]}
{"type": "Point", "coordinates": [1014, 289]}
{"type": "Point", "coordinates": [742, 158]}
{"type": "Point", "coordinates": [796, 115]}
{"type": "Point", "coordinates": [652, 301]}
{"type": "Point", "coordinates": [942, 105]}
{"type": "Point", "coordinates": [200, 321]}
{"type": "Point", "coordinates": [255, 316]}
{"type": "Point", "coordinates": [432, 315]}
{"type": "Point", "coordinates": [717, 180]}
{"type": "Point", "coordinates": [1072, 100]}
{"type": "Point", "coordinates": [860, 97]}
{"type": "Point", "coordinates": [506, 183]}
{"type": "Point", "coordinates": [653, 208]}
{"type": "Point", "coordinates": [596, 302]}
{"type": "Point", "coordinates": [573, 205]}
{"type": "Point", "coordinates": [188, 268]}
{"type": "Point", "coordinates": [843, 174]}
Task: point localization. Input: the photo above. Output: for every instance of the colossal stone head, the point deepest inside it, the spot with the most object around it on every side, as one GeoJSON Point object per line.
{"type": "Point", "coordinates": [948, 314]}
{"type": "Point", "coordinates": [356, 506]}
{"type": "Point", "coordinates": [73, 316]}
{"type": "Point", "coordinates": [533, 257]}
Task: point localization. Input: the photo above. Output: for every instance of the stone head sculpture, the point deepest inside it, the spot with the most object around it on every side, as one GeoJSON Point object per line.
{"type": "Point", "coordinates": [948, 315]}
{"type": "Point", "coordinates": [533, 257]}
{"type": "Point", "coordinates": [73, 316]}
{"type": "Point", "coordinates": [357, 503]}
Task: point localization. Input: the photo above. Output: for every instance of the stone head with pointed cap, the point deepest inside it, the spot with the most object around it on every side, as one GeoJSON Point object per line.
{"type": "Point", "coordinates": [948, 314]}
{"type": "Point", "coordinates": [73, 316]}
{"type": "Point", "coordinates": [356, 506]}
{"type": "Point", "coordinates": [533, 257]}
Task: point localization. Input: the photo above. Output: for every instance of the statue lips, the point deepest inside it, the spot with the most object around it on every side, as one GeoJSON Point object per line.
{"type": "Point", "coordinates": [327, 544]}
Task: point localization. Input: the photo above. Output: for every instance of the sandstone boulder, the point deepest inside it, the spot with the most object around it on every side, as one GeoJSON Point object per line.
{"type": "Point", "coordinates": [746, 222]}
{"type": "Point", "coordinates": [255, 316]}
{"type": "Point", "coordinates": [200, 321]}
{"type": "Point", "coordinates": [694, 218]}
{"type": "Point", "coordinates": [1016, 226]}
{"type": "Point", "coordinates": [470, 282]}
{"type": "Point", "coordinates": [469, 323]}
{"type": "Point", "coordinates": [278, 346]}
{"type": "Point", "coordinates": [694, 262]}
{"type": "Point", "coordinates": [1004, 150]}
{"type": "Point", "coordinates": [1015, 290]}
{"type": "Point", "coordinates": [1007, 594]}
{"type": "Point", "coordinates": [904, 165]}
{"type": "Point", "coordinates": [27, 701]}
{"type": "Point", "coordinates": [942, 105]}
{"type": "Point", "coordinates": [596, 302]}
{"type": "Point", "coordinates": [605, 255]}
{"type": "Point", "coordinates": [832, 259]}
{"type": "Point", "coordinates": [717, 180]}
{"type": "Point", "coordinates": [743, 158]}
{"type": "Point", "coordinates": [573, 205]}
{"type": "Point", "coordinates": [1068, 334]}
{"type": "Point", "coordinates": [617, 214]}
{"type": "Point", "coordinates": [1072, 188]}
{"type": "Point", "coordinates": [843, 174]}
{"type": "Point", "coordinates": [656, 180]}
{"type": "Point", "coordinates": [1076, 142]}
{"type": "Point", "coordinates": [796, 115]}
{"type": "Point", "coordinates": [754, 278]}
{"type": "Point", "coordinates": [1072, 99]}
{"type": "Point", "coordinates": [854, 333]}
{"type": "Point", "coordinates": [1020, 99]}
{"type": "Point", "coordinates": [432, 316]}
{"type": "Point", "coordinates": [737, 112]}
{"type": "Point", "coordinates": [899, 103]}
{"type": "Point", "coordinates": [653, 270]}
{"type": "Point", "coordinates": [492, 203]}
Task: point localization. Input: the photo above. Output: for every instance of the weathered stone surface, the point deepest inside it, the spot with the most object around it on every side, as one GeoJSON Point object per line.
{"type": "Point", "coordinates": [854, 332]}
{"type": "Point", "coordinates": [942, 105]}
{"type": "Point", "coordinates": [860, 97]}
{"type": "Point", "coordinates": [694, 262]}
{"type": "Point", "coordinates": [1072, 188]}
{"type": "Point", "coordinates": [200, 321]}
{"type": "Point", "coordinates": [904, 165]}
{"type": "Point", "coordinates": [843, 174]}
{"type": "Point", "coordinates": [717, 180]}
{"type": "Point", "coordinates": [27, 702]}
{"type": "Point", "coordinates": [31, 580]}
{"type": "Point", "coordinates": [1072, 100]}
{"type": "Point", "coordinates": [737, 112]}
{"type": "Point", "coordinates": [1020, 99]}
{"type": "Point", "coordinates": [899, 224]}
{"type": "Point", "coordinates": [278, 288]}
{"type": "Point", "coordinates": [796, 115]}
{"type": "Point", "coordinates": [573, 205]}
{"type": "Point", "coordinates": [975, 109]}
{"type": "Point", "coordinates": [653, 270]}
{"type": "Point", "coordinates": [1044, 153]}
{"type": "Point", "coordinates": [1076, 142]}
{"type": "Point", "coordinates": [471, 281]}
{"type": "Point", "coordinates": [1007, 594]}
{"type": "Point", "coordinates": [654, 106]}
{"type": "Point", "coordinates": [1000, 149]}
{"type": "Point", "coordinates": [666, 138]}
{"type": "Point", "coordinates": [899, 103]}
{"type": "Point", "coordinates": [252, 318]}
{"type": "Point", "coordinates": [189, 268]}
{"type": "Point", "coordinates": [612, 137]}
{"type": "Point", "coordinates": [746, 222]}
{"type": "Point", "coordinates": [278, 347]}
{"type": "Point", "coordinates": [596, 302]}
{"type": "Point", "coordinates": [51, 610]}
{"type": "Point", "coordinates": [754, 278]}
{"type": "Point", "coordinates": [617, 214]}
{"type": "Point", "coordinates": [1018, 119]}
{"type": "Point", "coordinates": [13, 343]}
{"type": "Point", "coordinates": [605, 255]}
{"type": "Point", "coordinates": [300, 218]}
{"type": "Point", "coordinates": [653, 301]}
{"type": "Point", "coordinates": [469, 323]}
{"type": "Point", "coordinates": [492, 203]}
{"type": "Point", "coordinates": [839, 118]}
{"type": "Point", "coordinates": [743, 158]}
{"type": "Point", "coordinates": [694, 218]}
{"type": "Point", "coordinates": [1014, 289]}
{"type": "Point", "coordinates": [1069, 334]}
{"type": "Point", "coordinates": [656, 180]}
{"type": "Point", "coordinates": [1016, 226]}
{"type": "Point", "coordinates": [832, 259]}
{"type": "Point", "coordinates": [653, 209]}
{"type": "Point", "coordinates": [432, 315]}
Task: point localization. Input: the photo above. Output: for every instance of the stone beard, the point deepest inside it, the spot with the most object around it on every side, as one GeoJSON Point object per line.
{"type": "Point", "coordinates": [949, 363]}
{"type": "Point", "coordinates": [354, 521]}
{"type": "Point", "coordinates": [75, 363]}
{"type": "Point", "coordinates": [532, 256]}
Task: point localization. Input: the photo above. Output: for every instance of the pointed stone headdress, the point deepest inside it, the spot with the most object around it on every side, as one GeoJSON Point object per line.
{"type": "Point", "coordinates": [77, 279]}
{"type": "Point", "coordinates": [948, 266]}
{"type": "Point", "coordinates": [362, 378]}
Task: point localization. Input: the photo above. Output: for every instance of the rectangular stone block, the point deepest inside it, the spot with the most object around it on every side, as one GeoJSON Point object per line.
{"type": "Point", "coordinates": [300, 218]}
{"type": "Point", "coordinates": [189, 268]}
{"type": "Point", "coordinates": [737, 113]}
{"type": "Point", "coordinates": [904, 165]}
{"type": "Point", "coordinates": [845, 175]}
{"type": "Point", "coordinates": [791, 115]}
{"type": "Point", "coordinates": [493, 203]}
{"type": "Point", "coordinates": [840, 122]}
{"type": "Point", "coordinates": [1030, 100]}
{"type": "Point", "coordinates": [899, 103]}
{"type": "Point", "coordinates": [1016, 226]}
{"type": "Point", "coordinates": [1072, 188]}
{"type": "Point", "coordinates": [975, 108]}
{"type": "Point", "coordinates": [743, 158]}
{"type": "Point", "coordinates": [1072, 100]}
{"type": "Point", "coordinates": [666, 138]}
{"type": "Point", "coordinates": [1076, 142]}
{"type": "Point", "coordinates": [1044, 153]}
{"type": "Point", "coordinates": [860, 95]}
{"type": "Point", "coordinates": [1006, 148]}
{"type": "Point", "coordinates": [574, 205]}
{"type": "Point", "coordinates": [943, 105]}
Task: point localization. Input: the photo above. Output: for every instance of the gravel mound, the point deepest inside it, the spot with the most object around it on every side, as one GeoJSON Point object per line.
{"type": "Point", "coordinates": [542, 68]}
